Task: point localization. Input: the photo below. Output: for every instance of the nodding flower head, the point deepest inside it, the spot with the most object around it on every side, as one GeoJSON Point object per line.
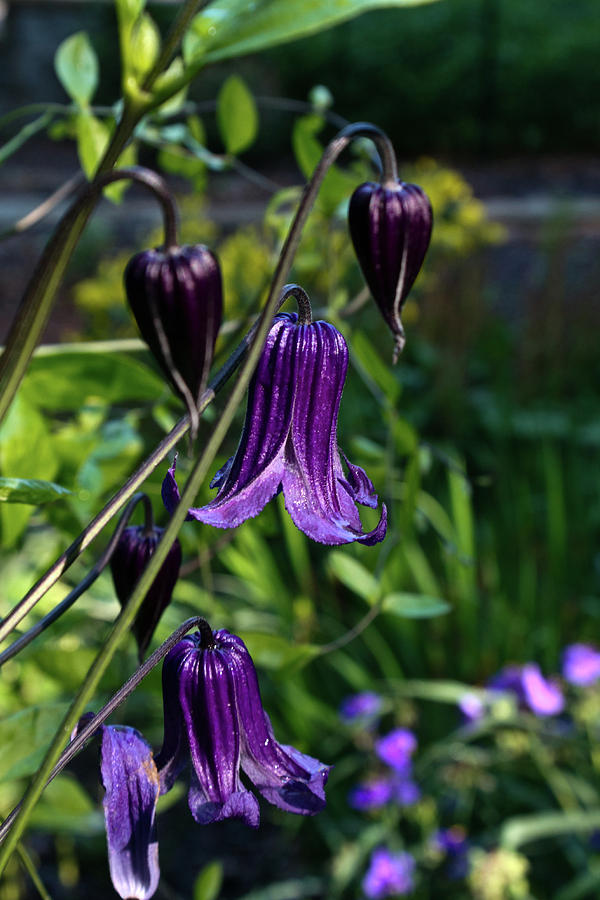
{"type": "Point", "coordinates": [176, 298]}
{"type": "Point", "coordinates": [289, 442]}
{"type": "Point", "coordinates": [390, 225]}
{"type": "Point", "coordinates": [214, 716]}
{"type": "Point", "coordinates": [134, 548]}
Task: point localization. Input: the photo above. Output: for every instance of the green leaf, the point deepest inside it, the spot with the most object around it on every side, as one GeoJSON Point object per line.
{"type": "Point", "coordinates": [93, 136]}
{"type": "Point", "coordinates": [76, 66]}
{"type": "Point", "coordinates": [272, 651]}
{"type": "Point", "coordinates": [354, 575]}
{"type": "Point", "coordinates": [65, 380]}
{"type": "Point", "coordinates": [414, 606]}
{"type": "Point", "coordinates": [208, 883]}
{"type": "Point", "coordinates": [237, 116]}
{"type": "Point", "coordinates": [66, 808]}
{"type": "Point", "coordinates": [30, 490]}
{"type": "Point", "coordinates": [337, 185]}
{"type": "Point", "coordinates": [229, 28]}
{"type": "Point", "coordinates": [523, 829]}
{"type": "Point", "coordinates": [144, 45]}
{"type": "Point", "coordinates": [24, 738]}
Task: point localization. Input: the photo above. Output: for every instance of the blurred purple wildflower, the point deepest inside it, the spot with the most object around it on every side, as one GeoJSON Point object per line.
{"type": "Point", "coordinates": [581, 664]}
{"type": "Point", "coordinates": [406, 792]}
{"type": "Point", "coordinates": [472, 707]}
{"type": "Point", "coordinates": [289, 443]}
{"type": "Point", "coordinates": [371, 794]}
{"type": "Point", "coordinates": [361, 707]}
{"type": "Point", "coordinates": [396, 749]}
{"type": "Point", "coordinates": [389, 874]}
{"type": "Point", "coordinates": [541, 696]}
{"type": "Point", "coordinates": [453, 843]}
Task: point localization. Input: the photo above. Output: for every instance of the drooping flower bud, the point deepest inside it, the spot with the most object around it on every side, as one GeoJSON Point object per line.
{"type": "Point", "coordinates": [132, 553]}
{"type": "Point", "coordinates": [390, 225]}
{"type": "Point", "coordinates": [176, 298]}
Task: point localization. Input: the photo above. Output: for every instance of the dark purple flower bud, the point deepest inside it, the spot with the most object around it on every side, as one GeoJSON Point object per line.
{"type": "Point", "coordinates": [130, 778]}
{"type": "Point", "coordinates": [390, 225]}
{"type": "Point", "coordinates": [176, 298]}
{"type": "Point", "coordinates": [214, 714]}
{"type": "Point", "coordinates": [289, 442]}
{"type": "Point", "coordinates": [135, 547]}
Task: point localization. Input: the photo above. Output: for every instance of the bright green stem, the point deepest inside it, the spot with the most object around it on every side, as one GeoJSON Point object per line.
{"type": "Point", "coordinates": [36, 304]}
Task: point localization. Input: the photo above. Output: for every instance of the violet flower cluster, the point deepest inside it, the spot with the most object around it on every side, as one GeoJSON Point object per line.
{"type": "Point", "coordinates": [215, 725]}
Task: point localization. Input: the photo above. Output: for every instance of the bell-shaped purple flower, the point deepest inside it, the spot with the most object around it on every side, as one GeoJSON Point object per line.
{"type": "Point", "coordinates": [213, 714]}
{"type": "Point", "coordinates": [390, 225]}
{"type": "Point", "coordinates": [176, 297]}
{"type": "Point", "coordinates": [131, 555]}
{"type": "Point", "coordinates": [130, 779]}
{"type": "Point", "coordinates": [289, 442]}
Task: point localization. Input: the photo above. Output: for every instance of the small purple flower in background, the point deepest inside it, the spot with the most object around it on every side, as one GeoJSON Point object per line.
{"type": "Point", "coordinates": [371, 794]}
{"type": "Point", "coordinates": [581, 664]}
{"type": "Point", "coordinates": [453, 843]}
{"type": "Point", "coordinates": [130, 778]}
{"type": "Point", "coordinates": [406, 792]}
{"type": "Point", "coordinates": [472, 707]}
{"type": "Point", "coordinates": [541, 696]}
{"type": "Point", "coordinates": [389, 874]}
{"type": "Point", "coordinates": [362, 707]}
{"type": "Point", "coordinates": [289, 443]}
{"type": "Point", "coordinates": [213, 713]}
{"type": "Point", "coordinates": [396, 749]}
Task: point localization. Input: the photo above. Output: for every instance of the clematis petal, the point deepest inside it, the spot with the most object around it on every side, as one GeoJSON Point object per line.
{"type": "Point", "coordinates": [317, 500]}
{"type": "Point", "coordinates": [205, 696]}
{"type": "Point", "coordinates": [360, 485]}
{"type": "Point", "coordinates": [289, 779]}
{"type": "Point", "coordinates": [131, 782]}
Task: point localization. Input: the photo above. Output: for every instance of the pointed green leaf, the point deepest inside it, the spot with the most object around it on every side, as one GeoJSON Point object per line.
{"type": "Point", "coordinates": [414, 606]}
{"type": "Point", "coordinates": [93, 136]}
{"type": "Point", "coordinates": [76, 66]}
{"type": "Point", "coordinates": [24, 738]}
{"type": "Point", "coordinates": [30, 490]}
{"type": "Point", "coordinates": [354, 575]}
{"type": "Point", "coordinates": [229, 28]}
{"type": "Point", "coordinates": [209, 881]}
{"type": "Point", "coordinates": [237, 116]}
{"type": "Point", "coordinates": [145, 45]}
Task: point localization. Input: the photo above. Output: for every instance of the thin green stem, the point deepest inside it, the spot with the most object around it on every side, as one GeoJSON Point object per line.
{"type": "Point", "coordinates": [29, 866]}
{"type": "Point", "coordinates": [36, 303]}
{"type": "Point", "coordinates": [173, 39]}
{"type": "Point", "coordinates": [84, 584]}
{"type": "Point", "coordinates": [85, 732]}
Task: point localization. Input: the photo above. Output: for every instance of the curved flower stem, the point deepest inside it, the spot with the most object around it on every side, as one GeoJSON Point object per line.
{"type": "Point", "coordinates": [36, 302]}
{"type": "Point", "coordinates": [87, 731]}
{"type": "Point", "coordinates": [84, 584]}
{"type": "Point", "coordinates": [302, 299]}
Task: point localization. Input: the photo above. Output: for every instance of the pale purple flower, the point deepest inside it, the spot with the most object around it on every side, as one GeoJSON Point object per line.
{"type": "Point", "coordinates": [472, 707]}
{"type": "Point", "coordinates": [396, 748]}
{"type": "Point", "coordinates": [542, 696]}
{"type": "Point", "coordinates": [130, 779]}
{"type": "Point", "coordinates": [581, 664]}
{"type": "Point", "coordinates": [289, 442]}
{"type": "Point", "coordinates": [389, 874]}
{"type": "Point", "coordinates": [214, 715]}
{"type": "Point", "coordinates": [371, 794]}
{"type": "Point", "coordinates": [359, 707]}
{"type": "Point", "coordinates": [406, 792]}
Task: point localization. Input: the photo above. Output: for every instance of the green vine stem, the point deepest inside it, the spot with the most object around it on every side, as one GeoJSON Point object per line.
{"type": "Point", "coordinates": [197, 475]}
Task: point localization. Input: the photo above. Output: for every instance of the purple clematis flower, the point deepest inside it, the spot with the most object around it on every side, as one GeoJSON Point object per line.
{"type": "Point", "coordinates": [130, 778]}
{"type": "Point", "coordinates": [396, 749]}
{"type": "Point", "coordinates": [213, 713]}
{"type": "Point", "coordinates": [581, 664]}
{"type": "Point", "coordinates": [541, 696]}
{"type": "Point", "coordinates": [289, 443]}
{"type": "Point", "coordinates": [389, 874]}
